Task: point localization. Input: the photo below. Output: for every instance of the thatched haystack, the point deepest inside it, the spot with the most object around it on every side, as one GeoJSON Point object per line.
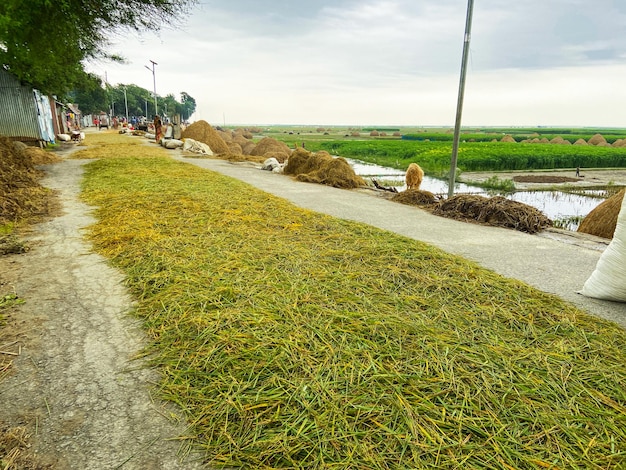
{"type": "Point", "coordinates": [322, 168]}
{"type": "Point", "coordinates": [267, 145]}
{"type": "Point", "coordinates": [240, 139]}
{"type": "Point", "coordinates": [355, 134]}
{"type": "Point", "coordinates": [602, 221]}
{"type": "Point", "coordinates": [597, 139]}
{"type": "Point", "coordinates": [558, 140]}
{"type": "Point", "coordinates": [497, 211]}
{"type": "Point", "coordinates": [508, 138]}
{"type": "Point", "coordinates": [581, 142]}
{"type": "Point", "coordinates": [619, 143]}
{"type": "Point", "coordinates": [415, 197]}
{"type": "Point", "coordinates": [203, 132]}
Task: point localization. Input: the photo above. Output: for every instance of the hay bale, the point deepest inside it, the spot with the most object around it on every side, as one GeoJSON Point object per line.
{"type": "Point", "coordinates": [203, 132]}
{"type": "Point", "coordinates": [619, 143]}
{"type": "Point", "coordinates": [415, 197]}
{"type": "Point", "coordinates": [597, 139]}
{"type": "Point", "coordinates": [397, 134]}
{"type": "Point", "coordinates": [322, 168]}
{"type": "Point", "coordinates": [267, 145]}
{"type": "Point", "coordinates": [508, 138]}
{"type": "Point", "coordinates": [374, 134]}
{"type": "Point", "coordinates": [497, 211]}
{"type": "Point", "coordinates": [557, 140]}
{"type": "Point", "coordinates": [602, 221]}
{"type": "Point", "coordinates": [581, 142]}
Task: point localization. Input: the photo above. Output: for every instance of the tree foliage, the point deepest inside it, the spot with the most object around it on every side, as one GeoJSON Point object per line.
{"type": "Point", "coordinates": [45, 43]}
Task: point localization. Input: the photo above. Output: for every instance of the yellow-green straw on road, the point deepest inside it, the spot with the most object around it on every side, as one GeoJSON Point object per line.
{"type": "Point", "coordinates": [292, 339]}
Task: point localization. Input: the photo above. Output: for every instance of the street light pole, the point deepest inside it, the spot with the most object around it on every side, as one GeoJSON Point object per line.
{"type": "Point", "coordinates": [126, 105]}
{"type": "Point", "coordinates": [156, 111]}
{"type": "Point", "coordinates": [459, 106]}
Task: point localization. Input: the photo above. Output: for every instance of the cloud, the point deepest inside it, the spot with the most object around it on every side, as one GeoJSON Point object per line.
{"type": "Point", "coordinates": [388, 61]}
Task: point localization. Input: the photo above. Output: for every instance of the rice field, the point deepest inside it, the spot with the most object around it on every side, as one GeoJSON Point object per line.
{"type": "Point", "coordinates": [290, 339]}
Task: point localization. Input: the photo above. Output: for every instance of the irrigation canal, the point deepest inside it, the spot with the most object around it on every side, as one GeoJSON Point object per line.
{"type": "Point", "coordinates": [556, 205]}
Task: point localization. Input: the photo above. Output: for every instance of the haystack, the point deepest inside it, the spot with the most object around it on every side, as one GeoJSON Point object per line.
{"type": "Point", "coordinates": [602, 221]}
{"type": "Point", "coordinates": [267, 145]}
{"type": "Point", "coordinates": [597, 139]}
{"type": "Point", "coordinates": [322, 168]}
{"type": "Point", "coordinates": [203, 132]}
{"type": "Point", "coordinates": [240, 139]}
{"type": "Point", "coordinates": [415, 197]}
{"type": "Point", "coordinates": [374, 134]}
{"type": "Point", "coordinates": [497, 211]}
{"type": "Point", "coordinates": [226, 135]}
{"type": "Point", "coordinates": [619, 143]}
{"type": "Point", "coordinates": [21, 195]}
{"type": "Point", "coordinates": [235, 148]}
{"type": "Point", "coordinates": [248, 147]}
{"type": "Point", "coordinates": [581, 142]}
{"type": "Point", "coordinates": [557, 140]}
{"type": "Point", "coordinates": [508, 138]}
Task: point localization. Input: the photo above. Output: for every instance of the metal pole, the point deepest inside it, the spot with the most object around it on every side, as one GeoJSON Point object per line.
{"type": "Point", "coordinates": [459, 106]}
{"type": "Point", "coordinates": [156, 109]}
{"type": "Point", "coordinates": [126, 104]}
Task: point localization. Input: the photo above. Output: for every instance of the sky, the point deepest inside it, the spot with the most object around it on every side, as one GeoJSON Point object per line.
{"type": "Point", "coordinates": [387, 62]}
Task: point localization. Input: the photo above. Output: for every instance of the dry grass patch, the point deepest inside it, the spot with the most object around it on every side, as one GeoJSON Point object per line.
{"type": "Point", "coordinates": [295, 340]}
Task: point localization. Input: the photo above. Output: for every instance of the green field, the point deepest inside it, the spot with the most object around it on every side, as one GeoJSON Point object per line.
{"type": "Point", "coordinates": [434, 148]}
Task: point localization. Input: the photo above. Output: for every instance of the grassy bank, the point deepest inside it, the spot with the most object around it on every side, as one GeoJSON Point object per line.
{"type": "Point", "coordinates": [294, 340]}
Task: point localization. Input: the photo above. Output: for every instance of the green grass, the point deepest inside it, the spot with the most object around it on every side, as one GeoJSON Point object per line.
{"type": "Point", "coordinates": [294, 340]}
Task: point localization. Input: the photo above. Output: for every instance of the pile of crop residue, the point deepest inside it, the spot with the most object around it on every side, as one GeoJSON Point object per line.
{"type": "Point", "coordinates": [322, 168]}
{"type": "Point", "coordinates": [203, 132]}
{"type": "Point", "coordinates": [497, 211]}
{"type": "Point", "coordinates": [21, 195]}
{"type": "Point", "coordinates": [271, 148]}
{"type": "Point", "coordinates": [544, 179]}
{"type": "Point", "coordinates": [415, 197]}
{"type": "Point", "coordinates": [602, 221]}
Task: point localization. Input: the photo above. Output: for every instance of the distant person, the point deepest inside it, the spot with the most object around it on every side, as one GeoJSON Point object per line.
{"type": "Point", "coordinates": [578, 172]}
{"type": "Point", "coordinates": [158, 124]}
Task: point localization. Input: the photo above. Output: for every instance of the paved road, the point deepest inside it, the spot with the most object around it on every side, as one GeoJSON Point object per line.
{"type": "Point", "coordinates": [555, 262]}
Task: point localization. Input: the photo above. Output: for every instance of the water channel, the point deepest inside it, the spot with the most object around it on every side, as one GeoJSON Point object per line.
{"type": "Point", "coordinates": [556, 205]}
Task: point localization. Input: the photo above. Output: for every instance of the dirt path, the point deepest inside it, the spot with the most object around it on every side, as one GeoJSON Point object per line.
{"type": "Point", "coordinates": [86, 404]}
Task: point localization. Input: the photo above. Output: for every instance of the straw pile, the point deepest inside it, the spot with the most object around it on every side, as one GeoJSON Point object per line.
{"type": "Point", "coordinates": [415, 197]}
{"type": "Point", "coordinates": [203, 132]}
{"type": "Point", "coordinates": [293, 340]}
{"type": "Point", "coordinates": [21, 195]}
{"type": "Point", "coordinates": [581, 142]}
{"type": "Point", "coordinates": [497, 211]}
{"type": "Point", "coordinates": [322, 168]}
{"type": "Point", "coordinates": [508, 138]}
{"type": "Point", "coordinates": [268, 145]}
{"type": "Point", "coordinates": [602, 221]}
{"type": "Point", "coordinates": [235, 148]}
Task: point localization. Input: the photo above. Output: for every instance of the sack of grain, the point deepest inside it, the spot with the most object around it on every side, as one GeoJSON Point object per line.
{"type": "Point", "coordinates": [608, 281]}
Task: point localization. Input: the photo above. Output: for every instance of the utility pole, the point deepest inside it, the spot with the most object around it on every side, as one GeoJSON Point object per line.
{"type": "Point", "coordinates": [459, 106]}
{"type": "Point", "coordinates": [156, 110]}
{"type": "Point", "coordinates": [126, 104]}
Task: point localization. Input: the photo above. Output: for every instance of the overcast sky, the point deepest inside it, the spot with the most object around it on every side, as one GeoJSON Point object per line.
{"type": "Point", "coordinates": [389, 62]}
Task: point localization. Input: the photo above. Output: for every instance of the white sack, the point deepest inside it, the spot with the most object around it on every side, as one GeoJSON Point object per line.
{"type": "Point", "coordinates": [608, 281]}
{"type": "Point", "coordinates": [172, 143]}
{"type": "Point", "coordinates": [270, 164]}
{"type": "Point", "coordinates": [64, 137]}
{"type": "Point", "coordinates": [194, 146]}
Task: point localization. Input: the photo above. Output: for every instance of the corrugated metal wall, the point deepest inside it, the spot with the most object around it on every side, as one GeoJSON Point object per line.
{"type": "Point", "coordinates": [18, 110]}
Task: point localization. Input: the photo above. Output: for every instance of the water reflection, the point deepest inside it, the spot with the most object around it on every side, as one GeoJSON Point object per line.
{"type": "Point", "coordinates": [556, 205]}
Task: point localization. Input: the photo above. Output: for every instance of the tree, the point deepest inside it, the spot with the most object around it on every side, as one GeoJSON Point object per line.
{"type": "Point", "coordinates": [45, 43]}
{"type": "Point", "coordinates": [90, 95]}
{"type": "Point", "coordinates": [188, 105]}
